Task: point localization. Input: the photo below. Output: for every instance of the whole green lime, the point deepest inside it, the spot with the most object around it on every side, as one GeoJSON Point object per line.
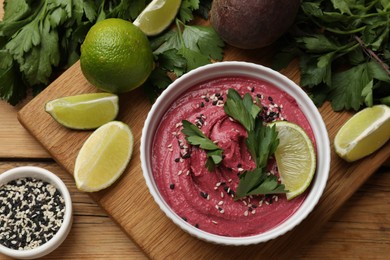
{"type": "Point", "coordinates": [116, 56]}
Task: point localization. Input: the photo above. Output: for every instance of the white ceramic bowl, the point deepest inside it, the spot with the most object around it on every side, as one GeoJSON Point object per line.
{"type": "Point", "coordinates": [59, 237]}
{"type": "Point", "coordinates": [251, 70]}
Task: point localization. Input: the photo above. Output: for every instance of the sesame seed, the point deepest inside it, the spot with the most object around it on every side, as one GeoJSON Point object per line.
{"type": "Point", "coordinates": [220, 202]}
{"type": "Point", "coordinates": [214, 222]}
{"type": "Point", "coordinates": [172, 186]}
{"type": "Point", "coordinates": [246, 213]}
{"type": "Point", "coordinates": [31, 213]}
{"type": "Point", "coordinates": [204, 194]}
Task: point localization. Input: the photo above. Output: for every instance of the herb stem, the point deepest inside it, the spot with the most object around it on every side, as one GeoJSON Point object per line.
{"type": "Point", "coordinates": [372, 54]}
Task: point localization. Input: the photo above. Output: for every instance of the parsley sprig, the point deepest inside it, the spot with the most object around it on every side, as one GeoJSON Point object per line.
{"type": "Point", "coordinates": [40, 39]}
{"type": "Point", "coordinates": [344, 52]}
{"type": "Point", "coordinates": [196, 137]}
{"type": "Point", "coordinates": [262, 142]}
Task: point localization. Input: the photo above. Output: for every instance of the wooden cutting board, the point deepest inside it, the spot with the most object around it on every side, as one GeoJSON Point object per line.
{"type": "Point", "coordinates": [129, 203]}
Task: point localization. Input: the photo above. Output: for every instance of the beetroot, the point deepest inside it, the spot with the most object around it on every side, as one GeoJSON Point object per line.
{"type": "Point", "coordinates": [250, 24]}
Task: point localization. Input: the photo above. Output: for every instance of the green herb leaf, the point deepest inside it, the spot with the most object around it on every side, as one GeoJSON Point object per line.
{"type": "Point", "coordinates": [186, 9]}
{"type": "Point", "coordinates": [335, 42]}
{"type": "Point", "coordinates": [196, 137]}
{"type": "Point", "coordinates": [257, 182]}
{"type": "Point", "coordinates": [242, 110]}
{"type": "Point", "coordinates": [262, 143]}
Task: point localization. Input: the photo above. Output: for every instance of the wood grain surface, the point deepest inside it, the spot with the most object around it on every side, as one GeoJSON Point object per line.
{"type": "Point", "coordinates": [129, 203]}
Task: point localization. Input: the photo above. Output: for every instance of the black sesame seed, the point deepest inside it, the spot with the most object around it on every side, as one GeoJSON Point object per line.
{"type": "Point", "coordinates": [184, 218]}
{"type": "Point", "coordinates": [206, 99]}
{"type": "Point", "coordinates": [177, 159]}
{"type": "Point", "coordinates": [214, 102]}
{"type": "Point", "coordinates": [270, 98]}
{"type": "Point", "coordinates": [197, 225]}
{"type": "Point", "coordinates": [204, 194]}
{"type": "Point", "coordinates": [201, 104]}
{"type": "Point", "coordinates": [172, 186]}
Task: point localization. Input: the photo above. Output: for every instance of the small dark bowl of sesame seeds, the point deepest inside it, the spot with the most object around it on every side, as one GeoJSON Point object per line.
{"type": "Point", "coordinates": [35, 212]}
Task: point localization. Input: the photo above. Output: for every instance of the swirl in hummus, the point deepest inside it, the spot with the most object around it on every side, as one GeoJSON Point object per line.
{"type": "Point", "coordinates": [206, 199]}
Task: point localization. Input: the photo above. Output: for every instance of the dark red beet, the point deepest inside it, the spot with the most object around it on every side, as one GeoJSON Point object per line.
{"type": "Point", "coordinates": [251, 24]}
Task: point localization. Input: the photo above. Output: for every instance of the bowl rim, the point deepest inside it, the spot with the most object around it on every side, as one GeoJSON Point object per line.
{"type": "Point", "coordinates": [238, 68]}
{"type": "Point", "coordinates": [59, 237]}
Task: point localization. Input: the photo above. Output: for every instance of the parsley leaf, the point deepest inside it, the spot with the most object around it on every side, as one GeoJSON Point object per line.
{"type": "Point", "coordinates": [196, 137]}
{"type": "Point", "coordinates": [338, 43]}
{"type": "Point", "coordinates": [242, 110]}
{"type": "Point", "coordinates": [41, 37]}
{"type": "Point", "coordinates": [186, 9]}
{"type": "Point", "coordinates": [261, 142]}
{"type": "Point", "coordinates": [257, 182]}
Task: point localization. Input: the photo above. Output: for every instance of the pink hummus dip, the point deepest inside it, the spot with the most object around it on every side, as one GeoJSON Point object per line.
{"type": "Point", "coordinates": [206, 199]}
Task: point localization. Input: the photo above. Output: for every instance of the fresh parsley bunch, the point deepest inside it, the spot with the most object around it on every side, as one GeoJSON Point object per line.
{"type": "Point", "coordinates": [344, 51]}
{"type": "Point", "coordinates": [40, 39]}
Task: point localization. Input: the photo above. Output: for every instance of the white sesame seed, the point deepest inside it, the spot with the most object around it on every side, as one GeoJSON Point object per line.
{"type": "Point", "coordinates": [246, 213]}
{"type": "Point", "coordinates": [214, 222]}
{"type": "Point", "coordinates": [253, 212]}
{"type": "Point", "coordinates": [180, 172]}
{"type": "Point", "coordinates": [220, 202]}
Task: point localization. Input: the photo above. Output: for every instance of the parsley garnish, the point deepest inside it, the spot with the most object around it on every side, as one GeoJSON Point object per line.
{"type": "Point", "coordinates": [343, 48]}
{"type": "Point", "coordinates": [196, 137]}
{"type": "Point", "coordinates": [262, 142]}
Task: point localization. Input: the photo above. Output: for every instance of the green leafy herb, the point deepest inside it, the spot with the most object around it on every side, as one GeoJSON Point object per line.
{"type": "Point", "coordinates": [242, 110]}
{"type": "Point", "coordinates": [40, 39]}
{"type": "Point", "coordinates": [196, 137]}
{"type": "Point", "coordinates": [262, 142]}
{"type": "Point", "coordinates": [343, 48]}
{"type": "Point", "coordinates": [256, 182]}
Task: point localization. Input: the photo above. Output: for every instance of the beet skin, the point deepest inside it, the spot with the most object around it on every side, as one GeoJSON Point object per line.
{"type": "Point", "coordinates": [251, 24]}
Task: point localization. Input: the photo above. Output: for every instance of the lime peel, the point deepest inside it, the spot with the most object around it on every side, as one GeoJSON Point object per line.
{"type": "Point", "coordinates": [364, 133]}
{"type": "Point", "coordinates": [85, 111]}
{"type": "Point", "coordinates": [295, 158]}
{"type": "Point", "coordinates": [157, 16]}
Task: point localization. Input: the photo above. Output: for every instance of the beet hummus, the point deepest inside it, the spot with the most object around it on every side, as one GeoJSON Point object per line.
{"type": "Point", "coordinates": [206, 199]}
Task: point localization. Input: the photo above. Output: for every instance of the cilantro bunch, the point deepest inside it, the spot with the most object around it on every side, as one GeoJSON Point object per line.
{"type": "Point", "coordinates": [344, 51]}
{"type": "Point", "coordinates": [40, 39]}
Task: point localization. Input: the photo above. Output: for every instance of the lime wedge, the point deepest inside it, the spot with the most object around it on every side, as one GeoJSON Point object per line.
{"type": "Point", "coordinates": [157, 16]}
{"type": "Point", "coordinates": [85, 111]}
{"type": "Point", "coordinates": [364, 133]}
{"type": "Point", "coordinates": [295, 158]}
{"type": "Point", "coordinates": [103, 157]}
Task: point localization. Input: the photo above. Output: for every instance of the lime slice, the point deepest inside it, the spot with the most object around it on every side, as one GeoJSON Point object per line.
{"type": "Point", "coordinates": [103, 157]}
{"type": "Point", "coordinates": [363, 133]}
{"type": "Point", "coordinates": [295, 158]}
{"type": "Point", "coordinates": [157, 16]}
{"type": "Point", "coordinates": [86, 111]}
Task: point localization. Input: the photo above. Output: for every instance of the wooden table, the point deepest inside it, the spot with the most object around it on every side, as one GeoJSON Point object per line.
{"type": "Point", "coordinates": [361, 229]}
